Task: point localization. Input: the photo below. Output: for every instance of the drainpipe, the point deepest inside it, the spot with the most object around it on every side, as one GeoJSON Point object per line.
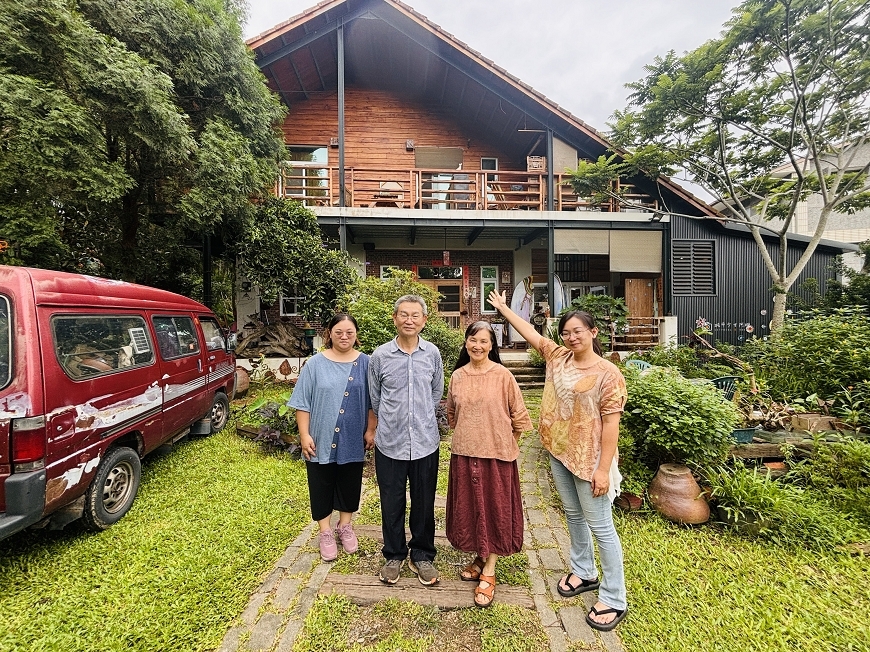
{"type": "Point", "coordinates": [342, 226]}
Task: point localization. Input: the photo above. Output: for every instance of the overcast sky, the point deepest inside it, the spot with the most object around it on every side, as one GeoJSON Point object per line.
{"type": "Point", "coordinates": [579, 53]}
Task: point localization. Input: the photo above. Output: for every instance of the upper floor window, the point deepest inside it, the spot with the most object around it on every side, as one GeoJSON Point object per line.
{"type": "Point", "coordinates": [693, 267]}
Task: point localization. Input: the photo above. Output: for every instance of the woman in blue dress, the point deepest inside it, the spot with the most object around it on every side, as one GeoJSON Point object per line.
{"type": "Point", "coordinates": [336, 427]}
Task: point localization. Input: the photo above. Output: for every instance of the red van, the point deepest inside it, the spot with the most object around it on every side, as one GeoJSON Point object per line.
{"type": "Point", "coordinates": [95, 374]}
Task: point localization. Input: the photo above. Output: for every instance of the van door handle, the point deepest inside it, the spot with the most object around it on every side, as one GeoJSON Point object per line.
{"type": "Point", "coordinates": [211, 357]}
{"type": "Point", "coordinates": [199, 364]}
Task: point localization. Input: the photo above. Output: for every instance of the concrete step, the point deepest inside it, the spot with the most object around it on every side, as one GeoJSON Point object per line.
{"type": "Point", "coordinates": [447, 594]}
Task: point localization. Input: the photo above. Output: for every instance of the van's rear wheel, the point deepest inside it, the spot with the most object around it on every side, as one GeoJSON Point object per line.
{"type": "Point", "coordinates": [113, 489]}
{"type": "Point", "coordinates": [220, 412]}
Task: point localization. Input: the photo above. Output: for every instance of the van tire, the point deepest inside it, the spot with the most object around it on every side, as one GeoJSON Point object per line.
{"type": "Point", "coordinates": [112, 491]}
{"type": "Point", "coordinates": [220, 412]}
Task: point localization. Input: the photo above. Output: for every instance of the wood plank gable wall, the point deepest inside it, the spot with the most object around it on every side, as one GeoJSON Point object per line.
{"type": "Point", "coordinates": [377, 126]}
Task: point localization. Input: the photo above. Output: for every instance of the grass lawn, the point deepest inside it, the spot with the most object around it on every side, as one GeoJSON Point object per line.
{"type": "Point", "coordinates": [211, 517]}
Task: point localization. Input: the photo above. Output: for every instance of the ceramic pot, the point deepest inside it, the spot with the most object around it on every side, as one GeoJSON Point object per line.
{"type": "Point", "coordinates": [674, 493]}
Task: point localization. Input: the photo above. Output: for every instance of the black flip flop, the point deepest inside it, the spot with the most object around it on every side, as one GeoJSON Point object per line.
{"type": "Point", "coordinates": [605, 627]}
{"type": "Point", "coordinates": [585, 585]}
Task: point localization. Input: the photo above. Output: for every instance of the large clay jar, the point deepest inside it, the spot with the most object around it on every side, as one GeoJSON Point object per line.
{"type": "Point", "coordinates": [675, 495]}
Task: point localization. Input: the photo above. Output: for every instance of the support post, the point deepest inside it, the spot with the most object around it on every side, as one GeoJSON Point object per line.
{"type": "Point", "coordinates": [342, 227]}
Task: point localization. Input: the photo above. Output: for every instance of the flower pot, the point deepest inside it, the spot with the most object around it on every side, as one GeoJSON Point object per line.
{"type": "Point", "coordinates": [675, 495]}
{"type": "Point", "coordinates": [628, 502]}
{"type": "Point", "coordinates": [745, 524]}
{"type": "Point", "coordinates": [743, 435]}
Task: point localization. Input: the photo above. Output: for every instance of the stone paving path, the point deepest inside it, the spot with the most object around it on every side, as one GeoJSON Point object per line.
{"type": "Point", "coordinates": [276, 611]}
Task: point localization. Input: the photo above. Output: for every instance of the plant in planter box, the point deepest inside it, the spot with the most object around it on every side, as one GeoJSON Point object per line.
{"type": "Point", "coordinates": [673, 420]}
{"type": "Point", "coordinates": [275, 421]}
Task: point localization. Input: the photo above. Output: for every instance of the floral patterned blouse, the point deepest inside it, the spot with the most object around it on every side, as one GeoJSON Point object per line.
{"type": "Point", "coordinates": [572, 405]}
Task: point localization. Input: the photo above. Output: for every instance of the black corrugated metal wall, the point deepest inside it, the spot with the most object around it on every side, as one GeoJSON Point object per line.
{"type": "Point", "coordinates": [742, 305]}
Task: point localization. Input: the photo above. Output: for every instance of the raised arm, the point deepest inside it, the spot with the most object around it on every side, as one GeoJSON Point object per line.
{"type": "Point", "coordinates": [524, 328]}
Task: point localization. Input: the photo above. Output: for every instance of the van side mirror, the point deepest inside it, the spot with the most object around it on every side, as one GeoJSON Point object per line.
{"type": "Point", "coordinates": [232, 342]}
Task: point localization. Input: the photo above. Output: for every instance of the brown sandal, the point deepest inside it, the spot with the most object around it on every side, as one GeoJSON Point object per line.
{"type": "Point", "coordinates": [488, 592]}
{"type": "Point", "coordinates": [471, 573]}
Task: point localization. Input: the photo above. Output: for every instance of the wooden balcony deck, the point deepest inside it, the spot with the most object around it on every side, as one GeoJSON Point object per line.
{"type": "Point", "coordinates": [316, 185]}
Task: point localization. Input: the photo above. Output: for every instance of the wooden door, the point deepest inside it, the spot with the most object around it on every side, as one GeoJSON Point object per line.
{"type": "Point", "coordinates": [640, 296]}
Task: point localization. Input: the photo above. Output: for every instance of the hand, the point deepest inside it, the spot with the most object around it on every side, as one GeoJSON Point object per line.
{"type": "Point", "coordinates": [306, 442]}
{"type": "Point", "coordinates": [369, 438]}
{"type": "Point", "coordinates": [497, 300]}
{"type": "Point", "coordinates": [600, 482]}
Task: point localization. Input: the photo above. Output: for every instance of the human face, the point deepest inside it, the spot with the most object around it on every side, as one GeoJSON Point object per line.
{"type": "Point", "coordinates": [577, 336]}
{"type": "Point", "coordinates": [478, 346]}
{"type": "Point", "coordinates": [343, 336]}
{"type": "Point", "coordinates": [409, 319]}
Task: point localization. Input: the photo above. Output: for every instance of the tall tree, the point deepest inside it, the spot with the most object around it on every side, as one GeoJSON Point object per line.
{"type": "Point", "coordinates": [774, 111]}
{"type": "Point", "coordinates": [126, 125]}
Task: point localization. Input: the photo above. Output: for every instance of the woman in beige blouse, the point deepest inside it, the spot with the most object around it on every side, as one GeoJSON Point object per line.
{"type": "Point", "coordinates": [584, 396]}
{"type": "Point", "coordinates": [484, 508]}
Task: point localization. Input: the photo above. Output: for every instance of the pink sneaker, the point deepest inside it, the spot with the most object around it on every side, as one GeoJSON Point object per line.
{"type": "Point", "coordinates": [328, 548]}
{"type": "Point", "coordinates": [348, 538]}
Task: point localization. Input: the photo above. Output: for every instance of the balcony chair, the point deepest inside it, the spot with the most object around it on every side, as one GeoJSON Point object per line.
{"type": "Point", "coordinates": [727, 385]}
{"type": "Point", "coordinates": [638, 364]}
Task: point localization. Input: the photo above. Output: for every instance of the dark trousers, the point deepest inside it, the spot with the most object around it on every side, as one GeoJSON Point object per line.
{"type": "Point", "coordinates": [394, 476]}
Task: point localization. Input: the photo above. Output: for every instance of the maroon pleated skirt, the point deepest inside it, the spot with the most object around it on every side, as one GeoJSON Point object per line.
{"type": "Point", "coordinates": [484, 507]}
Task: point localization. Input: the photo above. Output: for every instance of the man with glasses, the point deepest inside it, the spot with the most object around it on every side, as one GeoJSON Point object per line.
{"type": "Point", "coordinates": [406, 382]}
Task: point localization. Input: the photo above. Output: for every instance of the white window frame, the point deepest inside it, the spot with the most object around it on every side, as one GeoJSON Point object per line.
{"type": "Point", "coordinates": [484, 281]}
{"type": "Point", "coordinates": [296, 298]}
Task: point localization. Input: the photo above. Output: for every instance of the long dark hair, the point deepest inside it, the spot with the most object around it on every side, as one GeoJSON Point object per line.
{"type": "Point", "coordinates": [474, 329]}
{"type": "Point", "coordinates": [336, 319]}
{"type": "Point", "coordinates": [587, 319]}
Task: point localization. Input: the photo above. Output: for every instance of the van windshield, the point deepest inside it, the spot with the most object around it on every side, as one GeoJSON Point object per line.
{"type": "Point", "coordinates": [5, 343]}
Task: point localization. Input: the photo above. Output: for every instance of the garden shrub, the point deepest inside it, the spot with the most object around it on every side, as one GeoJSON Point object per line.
{"type": "Point", "coordinates": [689, 361]}
{"type": "Point", "coordinates": [783, 514]}
{"type": "Point", "coordinates": [671, 419]}
{"type": "Point", "coordinates": [816, 354]}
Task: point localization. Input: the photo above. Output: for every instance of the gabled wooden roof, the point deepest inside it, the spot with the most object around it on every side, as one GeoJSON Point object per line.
{"type": "Point", "coordinates": [389, 46]}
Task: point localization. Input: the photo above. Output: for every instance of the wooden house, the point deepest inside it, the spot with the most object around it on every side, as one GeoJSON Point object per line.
{"type": "Point", "coordinates": [416, 152]}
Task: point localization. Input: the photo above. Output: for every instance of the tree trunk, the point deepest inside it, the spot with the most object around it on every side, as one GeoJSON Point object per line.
{"type": "Point", "coordinates": [778, 317]}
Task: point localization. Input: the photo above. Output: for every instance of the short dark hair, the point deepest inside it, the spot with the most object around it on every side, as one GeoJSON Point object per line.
{"type": "Point", "coordinates": [337, 318]}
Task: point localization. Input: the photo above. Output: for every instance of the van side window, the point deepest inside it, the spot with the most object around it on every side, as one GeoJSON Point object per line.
{"type": "Point", "coordinates": [89, 345]}
{"type": "Point", "coordinates": [5, 343]}
{"type": "Point", "coordinates": [176, 337]}
{"type": "Point", "coordinates": [214, 338]}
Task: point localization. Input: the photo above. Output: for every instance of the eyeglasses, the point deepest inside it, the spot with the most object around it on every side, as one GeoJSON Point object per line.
{"type": "Point", "coordinates": [416, 316]}
{"type": "Point", "coordinates": [576, 333]}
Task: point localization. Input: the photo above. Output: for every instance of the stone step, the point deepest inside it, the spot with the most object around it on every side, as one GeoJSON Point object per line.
{"type": "Point", "coordinates": [447, 594]}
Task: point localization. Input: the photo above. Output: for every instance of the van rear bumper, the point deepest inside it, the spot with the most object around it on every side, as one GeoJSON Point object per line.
{"type": "Point", "coordinates": [25, 501]}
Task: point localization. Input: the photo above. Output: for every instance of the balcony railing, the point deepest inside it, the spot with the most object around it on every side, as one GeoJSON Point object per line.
{"type": "Point", "coordinates": [316, 185]}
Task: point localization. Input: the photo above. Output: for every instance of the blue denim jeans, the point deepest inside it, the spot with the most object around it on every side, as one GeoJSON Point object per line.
{"type": "Point", "coordinates": [588, 516]}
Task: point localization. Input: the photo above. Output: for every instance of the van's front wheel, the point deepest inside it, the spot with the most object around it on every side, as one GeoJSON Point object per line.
{"type": "Point", "coordinates": [113, 489]}
{"type": "Point", "coordinates": [220, 412]}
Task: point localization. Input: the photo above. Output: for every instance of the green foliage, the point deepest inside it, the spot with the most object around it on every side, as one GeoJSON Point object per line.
{"type": "Point", "coordinates": [127, 128]}
{"type": "Point", "coordinates": [282, 247]}
{"type": "Point", "coordinates": [275, 420]}
{"type": "Point", "coordinates": [854, 290]}
{"type": "Point", "coordinates": [784, 514]}
{"type": "Point", "coordinates": [816, 353]}
{"type": "Point", "coordinates": [673, 420]}
{"type": "Point", "coordinates": [765, 115]}
{"type": "Point", "coordinates": [844, 463]}
{"type": "Point", "coordinates": [605, 309]}
{"type": "Point", "coordinates": [688, 360]}
{"type": "Point", "coordinates": [371, 301]}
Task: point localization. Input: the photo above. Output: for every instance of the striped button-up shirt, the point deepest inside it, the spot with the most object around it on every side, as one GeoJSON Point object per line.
{"type": "Point", "coordinates": [405, 389]}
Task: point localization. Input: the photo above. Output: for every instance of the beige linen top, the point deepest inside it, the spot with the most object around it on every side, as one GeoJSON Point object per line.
{"type": "Point", "coordinates": [572, 405]}
{"type": "Point", "coordinates": [487, 413]}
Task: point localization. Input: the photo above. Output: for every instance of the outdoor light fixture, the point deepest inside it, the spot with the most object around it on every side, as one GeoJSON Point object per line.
{"type": "Point", "coordinates": [409, 145]}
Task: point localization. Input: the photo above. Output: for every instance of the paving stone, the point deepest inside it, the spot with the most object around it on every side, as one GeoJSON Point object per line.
{"type": "Point", "coordinates": [611, 641]}
{"type": "Point", "coordinates": [558, 640]}
{"type": "Point", "coordinates": [306, 599]}
{"type": "Point", "coordinates": [549, 618]}
{"type": "Point", "coordinates": [534, 562]}
{"type": "Point", "coordinates": [531, 500]}
{"type": "Point", "coordinates": [537, 517]}
{"type": "Point", "coordinates": [539, 586]}
{"type": "Point", "coordinates": [249, 615]}
{"type": "Point", "coordinates": [550, 559]}
{"type": "Point", "coordinates": [546, 492]}
{"type": "Point", "coordinates": [288, 636]}
{"type": "Point", "coordinates": [288, 557]}
{"type": "Point", "coordinates": [563, 541]}
{"type": "Point", "coordinates": [574, 621]}
{"type": "Point", "coordinates": [271, 581]}
{"type": "Point", "coordinates": [319, 574]}
{"type": "Point", "coordinates": [529, 486]}
{"type": "Point", "coordinates": [303, 536]}
{"type": "Point", "coordinates": [285, 593]}
{"type": "Point", "coordinates": [303, 563]}
{"type": "Point", "coordinates": [231, 640]}
{"type": "Point", "coordinates": [544, 537]}
{"type": "Point", "coordinates": [265, 632]}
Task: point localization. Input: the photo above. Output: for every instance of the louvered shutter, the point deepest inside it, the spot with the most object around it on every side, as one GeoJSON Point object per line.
{"type": "Point", "coordinates": [693, 267]}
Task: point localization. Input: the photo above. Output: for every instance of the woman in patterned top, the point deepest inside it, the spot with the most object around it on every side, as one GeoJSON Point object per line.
{"type": "Point", "coordinates": [583, 398]}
